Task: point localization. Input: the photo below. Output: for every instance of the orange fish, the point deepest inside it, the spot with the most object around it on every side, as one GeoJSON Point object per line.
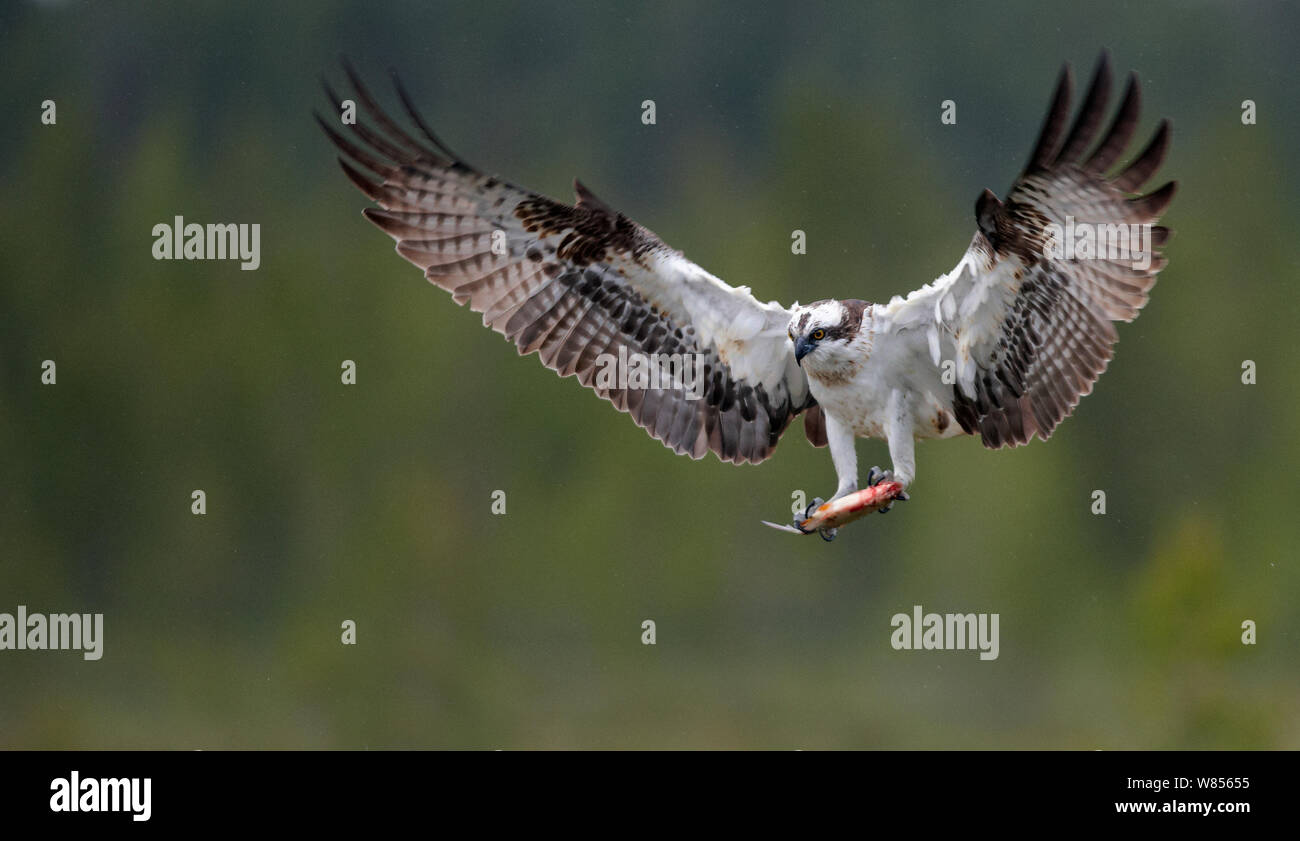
{"type": "Point", "coordinates": [829, 516]}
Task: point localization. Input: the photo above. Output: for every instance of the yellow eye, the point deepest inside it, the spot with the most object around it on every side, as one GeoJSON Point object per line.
{"type": "Point", "coordinates": [819, 334]}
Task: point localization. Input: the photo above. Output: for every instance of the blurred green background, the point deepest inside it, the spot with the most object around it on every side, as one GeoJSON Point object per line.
{"type": "Point", "coordinates": [372, 502]}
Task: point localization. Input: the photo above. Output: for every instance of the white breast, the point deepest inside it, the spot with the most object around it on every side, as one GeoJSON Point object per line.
{"type": "Point", "coordinates": [857, 396]}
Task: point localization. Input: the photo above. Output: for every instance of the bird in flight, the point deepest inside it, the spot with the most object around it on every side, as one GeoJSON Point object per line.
{"type": "Point", "coordinates": [1002, 347]}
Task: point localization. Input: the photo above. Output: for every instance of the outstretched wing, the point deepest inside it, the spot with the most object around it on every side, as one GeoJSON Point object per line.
{"type": "Point", "coordinates": [585, 288]}
{"type": "Point", "coordinates": [1026, 316]}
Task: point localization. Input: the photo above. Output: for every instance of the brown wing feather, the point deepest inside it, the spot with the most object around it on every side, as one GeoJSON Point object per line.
{"type": "Point", "coordinates": [1057, 336]}
{"type": "Point", "coordinates": [565, 285]}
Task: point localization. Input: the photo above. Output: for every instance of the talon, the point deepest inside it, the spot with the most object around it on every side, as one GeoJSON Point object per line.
{"type": "Point", "coordinates": [807, 514]}
{"type": "Point", "coordinates": [828, 534]}
{"type": "Point", "coordinates": [902, 497]}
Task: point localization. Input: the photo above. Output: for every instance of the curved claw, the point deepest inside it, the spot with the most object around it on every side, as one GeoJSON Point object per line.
{"type": "Point", "coordinates": [807, 514]}
{"type": "Point", "coordinates": [875, 476]}
{"type": "Point", "coordinates": [825, 534]}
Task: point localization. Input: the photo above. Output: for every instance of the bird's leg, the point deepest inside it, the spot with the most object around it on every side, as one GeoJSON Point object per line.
{"type": "Point", "coordinates": [844, 456]}
{"type": "Point", "coordinates": [898, 432]}
{"type": "Point", "coordinates": [902, 447]}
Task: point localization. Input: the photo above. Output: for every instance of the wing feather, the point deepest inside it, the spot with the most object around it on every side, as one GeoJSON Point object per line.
{"type": "Point", "coordinates": [1030, 331]}
{"type": "Point", "coordinates": [578, 285]}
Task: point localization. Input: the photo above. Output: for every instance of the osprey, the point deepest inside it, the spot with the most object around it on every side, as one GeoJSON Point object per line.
{"type": "Point", "coordinates": [1003, 346]}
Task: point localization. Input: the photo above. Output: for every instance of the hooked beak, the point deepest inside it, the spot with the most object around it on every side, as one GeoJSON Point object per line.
{"type": "Point", "coordinates": [802, 347]}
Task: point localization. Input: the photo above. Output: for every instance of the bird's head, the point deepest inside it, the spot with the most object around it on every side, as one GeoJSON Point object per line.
{"type": "Point", "coordinates": [827, 332]}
